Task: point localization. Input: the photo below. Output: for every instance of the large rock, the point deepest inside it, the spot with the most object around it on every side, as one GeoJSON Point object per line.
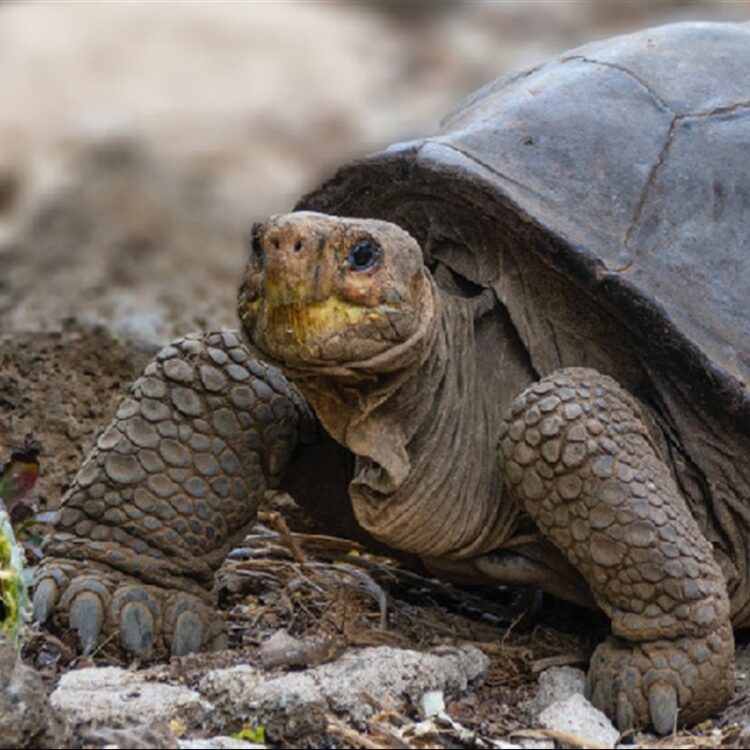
{"type": "Point", "coordinates": [114, 697]}
{"type": "Point", "coordinates": [26, 719]}
{"type": "Point", "coordinates": [287, 704]}
{"type": "Point", "coordinates": [295, 704]}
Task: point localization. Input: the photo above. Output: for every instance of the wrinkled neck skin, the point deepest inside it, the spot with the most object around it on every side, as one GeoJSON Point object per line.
{"type": "Point", "coordinates": [424, 437]}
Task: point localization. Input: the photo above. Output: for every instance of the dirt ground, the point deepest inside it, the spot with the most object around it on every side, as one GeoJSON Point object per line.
{"type": "Point", "coordinates": [137, 144]}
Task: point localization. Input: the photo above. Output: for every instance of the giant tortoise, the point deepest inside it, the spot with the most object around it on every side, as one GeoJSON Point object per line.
{"type": "Point", "coordinates": [523, 356]}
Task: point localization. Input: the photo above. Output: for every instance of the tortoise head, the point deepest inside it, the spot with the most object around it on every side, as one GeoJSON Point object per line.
{"type": "Point", "coordinates": [322, 291]}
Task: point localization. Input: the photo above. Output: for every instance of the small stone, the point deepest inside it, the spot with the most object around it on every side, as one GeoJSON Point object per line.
{"type": "Point", "coordinates": [432, 703]}
{"type": "Point", "coordinates": [555, 684]}
{"type": "Point", "coordinates": [576, 716]}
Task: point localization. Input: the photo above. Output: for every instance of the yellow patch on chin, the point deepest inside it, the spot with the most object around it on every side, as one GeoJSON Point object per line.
{"type": "Point", "coordinates": [328, 316]}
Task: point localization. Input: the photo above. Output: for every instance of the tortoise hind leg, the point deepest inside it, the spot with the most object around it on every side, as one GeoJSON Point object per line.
{"type": "Point", "coordinates": [174, 481]}
{"type": "Point", "coordinates": [577, 457]}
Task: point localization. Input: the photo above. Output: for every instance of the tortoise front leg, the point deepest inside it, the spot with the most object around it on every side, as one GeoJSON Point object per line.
{"type": "Point", "coordinates": [576, 455]}
{"type": "Point", "coordinates": [173, 483]}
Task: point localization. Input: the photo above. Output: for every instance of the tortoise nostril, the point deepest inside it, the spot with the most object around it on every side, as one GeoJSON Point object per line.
{"type": "Point", "coordinates": [297, 246]}
{"type": "Point", "coordinates": [275, 244]}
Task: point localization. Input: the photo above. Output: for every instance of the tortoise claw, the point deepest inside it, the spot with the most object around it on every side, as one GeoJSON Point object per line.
{"type": "Point", "coordinates": [149, 621]}
{"type": "Point", "coordinates": [46, 595]}
{"type": "Point", "coordinates": [188, 634]}
{"type": "Point", "coordinates": [137, 629]}
{"type": "Point", "coordinates": [662, 705]}
{"type": "Point", "coordinates": [86, 618]}
{"type": "Point", "coordinates": [624, 716]}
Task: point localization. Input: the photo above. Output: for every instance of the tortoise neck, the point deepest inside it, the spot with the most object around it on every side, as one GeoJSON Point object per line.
{"type": "Point", "coordinates": [424, 439]}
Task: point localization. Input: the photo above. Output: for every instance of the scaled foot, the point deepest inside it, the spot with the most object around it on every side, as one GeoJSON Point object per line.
{"type": "Point", "coordinates": [578, 457]}
{"type": "Point", "coordinates": [173, 483]}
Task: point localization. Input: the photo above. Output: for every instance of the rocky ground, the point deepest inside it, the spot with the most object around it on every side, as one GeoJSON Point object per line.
{"type": "Point", "coordinates": [137, 144]}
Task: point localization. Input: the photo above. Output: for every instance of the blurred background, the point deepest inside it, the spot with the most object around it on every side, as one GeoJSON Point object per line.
{"type": "Point", "coordinates": [138, 141]}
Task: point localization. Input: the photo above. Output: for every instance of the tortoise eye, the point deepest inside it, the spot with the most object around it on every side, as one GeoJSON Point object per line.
{"type": "Point", "coordinates": [363, 255]}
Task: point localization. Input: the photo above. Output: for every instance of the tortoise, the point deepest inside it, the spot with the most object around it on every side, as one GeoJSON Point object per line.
{"type": "Point", "coordinates": [517, 349]}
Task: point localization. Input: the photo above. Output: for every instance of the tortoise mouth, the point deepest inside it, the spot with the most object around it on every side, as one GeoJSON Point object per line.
{"type": "Point", "coordinates": [309, 331]}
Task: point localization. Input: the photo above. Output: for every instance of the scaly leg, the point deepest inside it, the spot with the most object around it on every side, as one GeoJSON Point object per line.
{"type": "Point", "coordinates": [173, 483]}
{"type": "Point", "coordinates": [578, 458]}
